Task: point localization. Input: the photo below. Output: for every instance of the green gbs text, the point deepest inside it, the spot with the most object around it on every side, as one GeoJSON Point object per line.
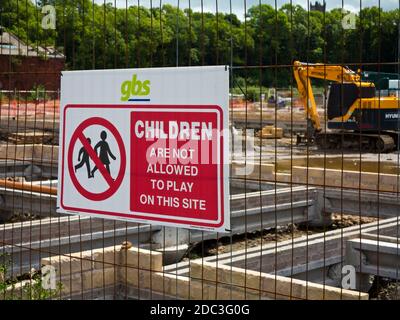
{"type": "Point", "coordinates": [134, 87]}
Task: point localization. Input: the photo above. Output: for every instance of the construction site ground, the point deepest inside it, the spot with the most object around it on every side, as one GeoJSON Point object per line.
{"type": "Point", "coordinates": [255, 239]}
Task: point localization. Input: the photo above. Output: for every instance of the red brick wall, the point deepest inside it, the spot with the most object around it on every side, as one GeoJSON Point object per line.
{"type": "Point", "coordinates": [28, 72]}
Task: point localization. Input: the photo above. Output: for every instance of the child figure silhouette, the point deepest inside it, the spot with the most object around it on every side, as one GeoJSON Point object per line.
{"type": "Point", "coordinates": [85, 159]}
{"type": "Point", "coordinates": [103, 153]}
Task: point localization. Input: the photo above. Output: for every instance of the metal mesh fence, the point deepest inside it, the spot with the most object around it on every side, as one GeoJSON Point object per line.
{"type": "Point", "coordinates": [314, 150]}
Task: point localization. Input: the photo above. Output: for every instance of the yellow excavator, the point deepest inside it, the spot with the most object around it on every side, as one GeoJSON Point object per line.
{"type": "Point", "coordinates": [357, 119]}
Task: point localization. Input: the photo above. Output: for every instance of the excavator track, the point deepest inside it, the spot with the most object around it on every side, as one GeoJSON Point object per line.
{"type": "Point", "coordinates": [355, 141]}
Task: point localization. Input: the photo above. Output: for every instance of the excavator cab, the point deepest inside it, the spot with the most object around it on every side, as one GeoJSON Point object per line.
{"type": "Point", "coordinates": [342, 96]}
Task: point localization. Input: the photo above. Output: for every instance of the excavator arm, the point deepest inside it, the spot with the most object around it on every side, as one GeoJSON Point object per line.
{"type": "Point", "coordinates": [303, 72]}
{"type": "Point", "coordinates": [307, 95]}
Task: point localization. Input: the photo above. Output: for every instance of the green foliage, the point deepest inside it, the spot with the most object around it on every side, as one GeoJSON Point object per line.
{"type": "Point", "coordinates": [34, 289]}
{"type": "Point", "coordinates": [252, 92]}
{"type": "Point", "coordinates": [38, 93]}
{"type": "Point", "coordinates": [3, 271]}
{"type": "Point", "coordinates": [31, 290]}
{"type": "Point", "coordinates": [97, 35]}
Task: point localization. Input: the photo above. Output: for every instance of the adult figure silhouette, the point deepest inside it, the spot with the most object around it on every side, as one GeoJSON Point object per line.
{"type": "Point", "coordinates": [103, 153]}
{"type": "Point", "coordinates": [85, 159]}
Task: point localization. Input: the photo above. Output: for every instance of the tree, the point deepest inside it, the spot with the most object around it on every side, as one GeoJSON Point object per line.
{"type": "Point", "coordinates": [95, 35]}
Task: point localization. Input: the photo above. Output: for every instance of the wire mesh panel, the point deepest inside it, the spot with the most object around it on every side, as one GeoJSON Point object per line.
{"type": "Point", "coordinates": [313, 150]}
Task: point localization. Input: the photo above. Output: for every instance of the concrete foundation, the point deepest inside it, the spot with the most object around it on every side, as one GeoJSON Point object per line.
{"type": "Point", "coordinates": [318, 258]}
{"type": "Point", "coordinates": [140, 271]}
{"type": "Point", "coordinates": [378, 257]}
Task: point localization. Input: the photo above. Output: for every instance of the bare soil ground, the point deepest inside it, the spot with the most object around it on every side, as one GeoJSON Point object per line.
{"type": "Point", "coordinates": [249, 240]}
{"type": "Point", "coordinates": [22, 216]}
{"type": "Point", "coordinates": [390, 292]}
{"type": "Point", "coordinates": [385, 289]}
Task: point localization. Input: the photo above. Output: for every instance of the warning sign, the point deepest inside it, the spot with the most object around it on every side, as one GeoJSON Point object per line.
{"type": "Point", "coordinates": [88, 153]}
{"type": "Point", "coordinates": [160, 159]}
{"type": "Point", "coordinates": [177, 172]}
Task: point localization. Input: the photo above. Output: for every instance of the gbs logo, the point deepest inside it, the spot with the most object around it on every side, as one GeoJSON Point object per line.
{"type": "Point", "coordinates": [134, 88]}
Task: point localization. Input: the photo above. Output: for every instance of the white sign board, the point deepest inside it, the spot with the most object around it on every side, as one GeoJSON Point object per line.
{"type": "Point", "coordinates": [146, 145]}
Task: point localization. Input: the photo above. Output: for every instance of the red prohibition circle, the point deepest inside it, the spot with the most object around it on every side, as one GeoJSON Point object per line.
{"type": "Point", "coordinates": [113, 184]}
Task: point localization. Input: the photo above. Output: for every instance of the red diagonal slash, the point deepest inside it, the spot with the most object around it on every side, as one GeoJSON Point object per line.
{"type": "Point", "coordinates": [79, 135]}
{"type": "Point", "coordinates": [95, 158]}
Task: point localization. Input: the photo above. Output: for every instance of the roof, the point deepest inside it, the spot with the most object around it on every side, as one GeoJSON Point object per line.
{"type": "Point", "coordinates": [10, 44]}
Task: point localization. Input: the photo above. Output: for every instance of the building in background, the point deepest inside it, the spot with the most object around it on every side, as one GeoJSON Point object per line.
{"type": "Point", "coordinates": [23, 67]}
{"type": "Point", "coordinates": [318, 7]}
